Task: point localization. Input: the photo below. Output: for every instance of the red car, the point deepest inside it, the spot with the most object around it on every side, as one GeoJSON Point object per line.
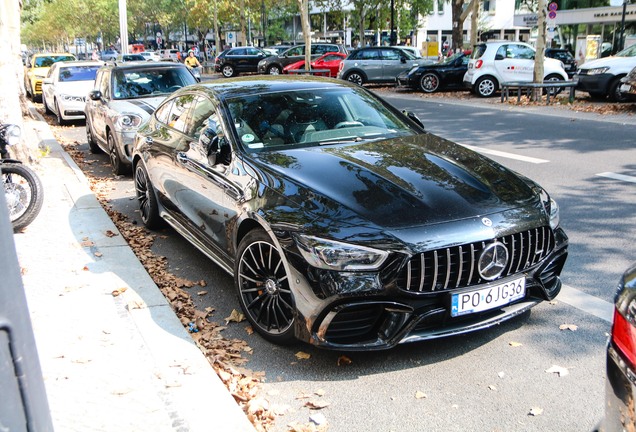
{"type": "Point", "coordinates": [329, 61]}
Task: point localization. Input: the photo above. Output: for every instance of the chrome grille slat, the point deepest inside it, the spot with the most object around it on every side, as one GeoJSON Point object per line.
{"type": "Point", "coordinates": [456, 266]}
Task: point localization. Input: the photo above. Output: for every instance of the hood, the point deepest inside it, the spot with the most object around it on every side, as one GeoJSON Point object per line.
{"type": "Point", "coordinates": [140, 106]}
{"type": "Point", "coordinates": [613, 61]}
{"type": "Point", "coordinates": [39, 72]}
{"type": "Point", "coordinates": [397, 183]}
{"type": "Point", "coordinates": [74, 88]}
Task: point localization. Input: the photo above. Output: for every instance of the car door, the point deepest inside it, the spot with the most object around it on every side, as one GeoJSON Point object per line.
{"type": "Point", "coordinates": [369, 61]}
{"type": "Point", "coordinates": [393, 63]}
{"type": "Point", "coordinates": [252, 57]}
{"type": "Point", "coordinates": [515, 62]}
{"type": "Point", "coordinates": [453, 76]}
{"type": "Point", "coordinates": [98, 109]}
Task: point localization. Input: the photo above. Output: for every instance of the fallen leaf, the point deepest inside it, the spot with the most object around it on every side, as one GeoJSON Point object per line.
{"type": "Point", "coordinates": [317, 404]}
{"type": "Point", "coordinates": [320, 392]}
{"type": "Point", "coordinates": [501, 374]}
{"type": "Point", "coordinates": [515, 344]}
{"type": "Point", "coordinates": [87, 243]}
{"type": "Point", "coordinates": [571, 327]}
{"type": "Point", "coordinates": [318, 418]}
{"type": "Point", "coordinates": [110, 233]}
{"type": "Point", "coordinates": [302, 355]}
{"type": "Point", "coordinates": [249, 330]}
{"type": "Point", "coordinates": [420, 395]}
{"type": "Point", "coordinates": [561, 371]}
{"type": "Point", "coordinates": [98, 254]}
{"type": "Point", "coordinates": [202, 293]}
{"type": "Point", "coordinates": [118, 291]}
{"type": "Point", "coordinates": [492, 387]}
{"type": "Point", "coordinates": [203, 283]}
{"type": "Point", "coordinates": [344, 361]}
{"type": "Point", "coordinates": [554, 302]}
{"type": "Point", "coordinates": [535, 411]}
{"type": "Point", "coordinates": [235, 316]}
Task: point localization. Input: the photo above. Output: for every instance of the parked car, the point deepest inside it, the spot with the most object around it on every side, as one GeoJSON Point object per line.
{"type": "Point", "coordinates": [415, 52]}
{"type": "Point", "coordinates": [109, 55]}
{"type": "Point", "coordinates": [564, 56]}
{"type": "Point", "coordinates": [169, 55]}
{"type": "Point", "coordinates": [620, 390]}
{"type": "Point", "coordinates": [278, 49]}
{"type": "Point", "coordinates": [628, 86]}
{"type": "Point", "coordinates": [343, 223]}
{"type": "Point", "coordinates": [123, 96]}
{"type": "Point", "coordinates": [65, 88]}
{"type": "Point", "coordinates": [329, 61]}
{"type": "Point", "coordinates": [274, 65]}
{"type": "Point", "coordinates": [150, 56]}
{"type": "Point", "coordinates": [233, 61]}
{"type": "Point", "coordinates": [601, 78]}
{"type": "Point", "coordinates": [376, 64]}
{"type": "Point", "coordinates": [492, 63]}
{"type": "Point", "coordinates": [432, 77]}
{"type": "Point", "coordinates": [38, 68]}
{"type": "Point", "coordinates": [122, 58]}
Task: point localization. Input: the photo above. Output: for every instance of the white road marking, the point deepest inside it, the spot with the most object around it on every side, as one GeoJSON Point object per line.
{"type": "Point", "coordinates": [587, 303]}
{"type": "Point", "coordinates": [506, 155]}
{"type": "Point", "coordinates": [620, 177]}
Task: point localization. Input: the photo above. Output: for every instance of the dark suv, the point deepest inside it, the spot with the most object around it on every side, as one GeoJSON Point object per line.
{"type": "Point", "coordinates": [123, 96]}
{"type": "Point", "coordinates": [242, 59]}
{"type": "Point", "coordinates": [568, 60]}
{"type": "Point", "coordinates": [274, 65]}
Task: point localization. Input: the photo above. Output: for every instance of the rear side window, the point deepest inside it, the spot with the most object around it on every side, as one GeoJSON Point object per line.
{"type": "Point", "coordinates": [479, 51]}
{"type": "Point", "coordinates": [368, 54]}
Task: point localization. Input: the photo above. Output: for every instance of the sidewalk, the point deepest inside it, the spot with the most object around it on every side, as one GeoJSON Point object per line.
{"type": "Point", "coordinates": [110, 363]}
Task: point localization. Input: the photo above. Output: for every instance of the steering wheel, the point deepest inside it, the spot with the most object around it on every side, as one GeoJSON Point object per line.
{"type": "Point", "coordinates": [345, 124]}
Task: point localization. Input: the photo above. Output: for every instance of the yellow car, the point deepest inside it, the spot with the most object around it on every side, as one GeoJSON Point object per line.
{"type": "Point", "coordinates": [38, 68]}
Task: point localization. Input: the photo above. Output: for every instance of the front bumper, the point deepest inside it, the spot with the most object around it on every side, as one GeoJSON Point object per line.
{"type": "Point", "coordinates": [72, 109]}
{"type": "Point", "coordinates": [377, 314]}
{"type": "Point", "coordinates": [598, 83]}
{"type": "Point", "coordinates": [406, 80]}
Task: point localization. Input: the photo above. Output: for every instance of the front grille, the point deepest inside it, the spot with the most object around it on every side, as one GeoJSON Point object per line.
{"type": "Point", "coordinates": [38, 86]}
{"type": "Point", "coordinates": [354, 324]}
{"type": "Point", "coordinates": [456, 267]}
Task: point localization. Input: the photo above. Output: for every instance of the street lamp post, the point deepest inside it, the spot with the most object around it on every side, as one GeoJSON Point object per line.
{"type": "Point", "coordinates": [622, 41]}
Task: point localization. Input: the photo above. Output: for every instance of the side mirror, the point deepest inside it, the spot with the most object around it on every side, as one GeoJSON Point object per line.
{"type": "Point", "coordinates": [95, 95]}
{"type": "Point", "coordinates": [403, 59]}
{"type": "Point", "coordinates": [414, 118]}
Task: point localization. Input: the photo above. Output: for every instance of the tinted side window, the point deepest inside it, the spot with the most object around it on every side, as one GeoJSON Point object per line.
{"type": "Point", "coordinates": [479, 51]}
{"type": "Point", "coordinates": [389, 54]}
{"type": "Point", "coordinates": [322, 49]}
{"type": "Point", "coordinates": [370, 54]}
{"type": "Point", "coordinates": [237, 52]}
{"type": "Point", "coordinates": [104, 84]}
{"type": "Point", "coordinates": [299, 50]}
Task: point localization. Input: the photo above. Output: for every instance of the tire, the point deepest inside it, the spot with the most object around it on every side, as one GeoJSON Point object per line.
{"type": "Point", "coordinates": [356, 78]}
{"type": "Point", "coordinates": [228, 71]}
{"type": "Point", "coordinates": [597, 96]}
{"type": "Point", "coordinates": [23, 192]}
{"type": "Point", "coordinates": [553, 78]}
{"type": "Point", "coordinates": [115, 159]}
{"type": "Point", "coordinates": [90, 139]}
{"type": "Point", "coordinates": [274, 70]}
{"type": "Point", "coordinates": [47, 110]}
{"type": "Point", "coordinates": [58, 114]}
{"type": "Point", "coordinates": [613, 91]}
{"type": "Point", "coordinates": [263, 288]}
{"type": "Point", "coordinates": [429, 82]}
{"type": "Point", "coordinates": [147, 198]}
{"type": "Point", "coordinates": [486, 86]}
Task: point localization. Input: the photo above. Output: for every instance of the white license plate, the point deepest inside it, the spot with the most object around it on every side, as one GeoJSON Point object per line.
{"type": "Point", "coordinates": [487, 298]}
{"type": "Point", "coordinates": [625, 87]}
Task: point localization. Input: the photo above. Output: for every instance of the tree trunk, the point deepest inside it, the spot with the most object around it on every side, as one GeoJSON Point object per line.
{"type": "Point", "coordinates": [244, 37]}
{"type": "Point", "coordinates": [474, 23]}
{"type": "Point", "coordinates": [217, 36]}
{"type": "Point", "coordinates": [304, 21]}
{"type": "Point", "coordinates": [457, 41]}
{"type": "Point", "coordinates": [540, 55]}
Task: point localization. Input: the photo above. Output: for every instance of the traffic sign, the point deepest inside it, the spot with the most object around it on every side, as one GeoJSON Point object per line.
{"type": "Point", "coordinates": [552, 14]}
{"type": "Point", "coordinates": [553, 6]}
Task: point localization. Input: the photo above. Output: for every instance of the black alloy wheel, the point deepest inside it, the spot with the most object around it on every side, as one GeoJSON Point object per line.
{"type": "Point", "coordinates": [263, 288]}
{"type": "Point", "coordinates": [115, 160]}
{"type": "Point", "coordinates": [355, 77]}
{"type": "Point", "coordinates": [147, 198]}
{"type": "Point", "coordinates": [614, 91]}
{"type": "Point", "coordinates": [429, 82]}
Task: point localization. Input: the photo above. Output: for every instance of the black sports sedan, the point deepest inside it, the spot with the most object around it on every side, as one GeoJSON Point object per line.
{"type": "Point", "coordinates": [430, 78]}
{"type": "Point", "coordinates": [344, 223]}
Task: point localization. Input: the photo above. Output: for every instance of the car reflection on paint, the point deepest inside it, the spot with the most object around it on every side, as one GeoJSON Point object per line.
{"type": "Point", "coordinates": [344, 223]}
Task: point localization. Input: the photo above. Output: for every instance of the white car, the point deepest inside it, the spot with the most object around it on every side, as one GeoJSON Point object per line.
{"type": "Point", "coordinates": [65, 88]}
{"type": "Point", "coordinates": [150, 55]}
{"type": "Point", "coordinates": [493, 63]}
{"type": "Point", "coordinates": [602, 77]}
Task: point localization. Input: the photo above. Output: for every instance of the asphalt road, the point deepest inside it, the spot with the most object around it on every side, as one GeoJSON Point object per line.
{"type": "Point", "coordinates": [493, 380]}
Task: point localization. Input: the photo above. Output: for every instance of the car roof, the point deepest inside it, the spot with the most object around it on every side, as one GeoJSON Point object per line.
{"type": "Point", "coordinates": [79, 63]}
{"type": "Point", "coordinates": [259, 84]}
{"type": "Point", "coordinates": [142, 65]}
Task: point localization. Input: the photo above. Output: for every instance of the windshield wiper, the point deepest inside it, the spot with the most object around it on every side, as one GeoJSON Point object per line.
{"type": "Point", "coordinates": [341, 140]}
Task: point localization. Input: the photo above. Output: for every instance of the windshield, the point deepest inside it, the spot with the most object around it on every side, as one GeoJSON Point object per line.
{"type": "Point", "coordinates": [133, 83]}
{"type": "Point", "coordinates": [627, 52]}
{"type": "Point", "coordinates": [78, 73]}
{"type": "Point", "coordinates": [47, 61]}
{"type": "Point", "coordinates": [306, 118]}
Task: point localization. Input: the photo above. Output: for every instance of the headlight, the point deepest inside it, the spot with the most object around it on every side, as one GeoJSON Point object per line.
{"type": "Point", "coordinates": [71, 98]}
{"type": "Point", "coordinates": [597, 71]}
{"type": "Point", "coordinates": [262, 63]}
{"type": "Point", "coordinates": [335, 255]}
{"type": "Point", "coordinates": [128, 121]}
{"type": "Point", "coordinates": [551, 208]}
{"type": "Point", "coordinates": [12, 134]}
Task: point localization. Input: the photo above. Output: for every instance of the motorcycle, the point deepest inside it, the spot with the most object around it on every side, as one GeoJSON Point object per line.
{"type": "Point", "coordinates": [23, 190]}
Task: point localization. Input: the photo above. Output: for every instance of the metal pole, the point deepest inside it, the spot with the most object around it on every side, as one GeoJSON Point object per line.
{"type": "Point", "coordinates": [392, 38]}
{"type": "Point", "coordinates": [622, 41]}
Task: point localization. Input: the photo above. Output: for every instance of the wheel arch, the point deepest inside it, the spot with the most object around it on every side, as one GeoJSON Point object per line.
{"type": "Point", "coordinates": [355, 70]}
